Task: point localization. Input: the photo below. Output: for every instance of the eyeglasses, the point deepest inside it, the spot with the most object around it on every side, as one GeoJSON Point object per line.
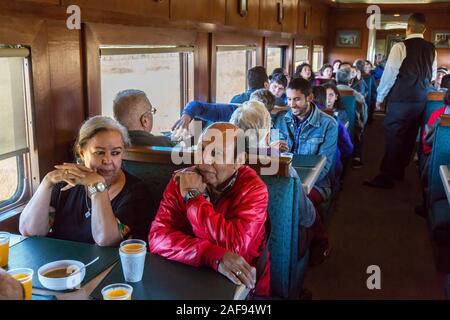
{"type": "Point", "coordinates": [152, 111]}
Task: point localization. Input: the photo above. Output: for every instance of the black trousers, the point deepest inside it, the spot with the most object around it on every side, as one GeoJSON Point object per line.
{"type": "Point", "coordinates": [401, 126]}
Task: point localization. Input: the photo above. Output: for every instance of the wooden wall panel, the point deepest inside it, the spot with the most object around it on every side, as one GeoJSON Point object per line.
{"type": "Point", "coordinates": [53, 2]}
{"type": "Point", "coordinates": [14, 31]}
{"type": "Point", "coordinates": [68, 110]}
{"type": "Point", "coordinates": [305, 16]}
{"type": "Point", "coordinates": [202, 65]}
{"type": "Point", "coordinates": [437, 19]}
{"type": "Point", "coordinates": [268, 15]}
{"type": "Point", "coordinates": [347, 21]}
{"type": "Point", "coordinates": [42, 104]}
{"type": "Point", "coordinates": [290, 21]}
{"type": "Point", "coordinates": [251, 20]}
{"type": "Point", "coordinates": [148, 8]}
{"type": "Point", "coordinates": [212, 11]}
{"type": "Point", "coordinates": [32, 32]}
{"type": "Point", "coordinates": [132, 35]}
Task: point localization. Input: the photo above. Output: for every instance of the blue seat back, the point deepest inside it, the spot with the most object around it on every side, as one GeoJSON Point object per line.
{"type": "Point", "coordinates": [369, 82]}
{"type": "Point", "coordinates": [431, 106]}
{"type": "Point", "coordinates": [285, 273]}
{"type": "Point", "coordinates": [440, 155]}
{"type": "Point", "coordinates": [349, 102]}
{"type": "Point", "coordinates": [435, 100]}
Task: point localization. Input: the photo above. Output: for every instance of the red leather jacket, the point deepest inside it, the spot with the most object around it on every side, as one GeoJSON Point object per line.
{"type": "Point", "coordinates": [198, 233]}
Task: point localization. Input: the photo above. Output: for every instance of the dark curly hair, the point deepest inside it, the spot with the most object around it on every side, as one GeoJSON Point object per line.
{"type": "Point", "coordinates": [338, 104]}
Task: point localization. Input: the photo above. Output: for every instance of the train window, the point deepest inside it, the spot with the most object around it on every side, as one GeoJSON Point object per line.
{"type": "Point", "coordinates": [274, 58]}
{"type": "Point", "coordinates": [317, 58]}
{"type": "Point", "coordinates": [15, 140]}
{"type": "Point", "coordinates": [231, 70]}
{"type": "Point", "coordinates": [165, 74]}
{"type": "Point", "coordinates": [301, 55]}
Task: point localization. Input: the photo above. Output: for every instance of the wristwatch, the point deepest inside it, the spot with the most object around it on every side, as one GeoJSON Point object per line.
{"type": "Point", "coordinates": [193, 193]}
{"type": "Point", "coordinates": [97, 187]}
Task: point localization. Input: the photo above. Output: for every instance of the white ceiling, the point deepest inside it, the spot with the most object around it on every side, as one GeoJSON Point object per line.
{"type": "Point", "coordinates": [389, 1]}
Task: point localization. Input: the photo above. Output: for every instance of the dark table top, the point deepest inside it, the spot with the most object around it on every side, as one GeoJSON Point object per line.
{"type": "Point", "coordinates": [169, 280]}
{"type": "Point", "coordinates": [34, 252]}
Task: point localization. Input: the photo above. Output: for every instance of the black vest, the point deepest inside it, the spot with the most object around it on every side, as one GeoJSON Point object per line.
{"type": "Point", "coordinates": [414, 77]}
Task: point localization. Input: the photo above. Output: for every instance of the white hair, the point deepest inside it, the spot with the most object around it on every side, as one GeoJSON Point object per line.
{"type": "Point", "coordinates": [255, 120]}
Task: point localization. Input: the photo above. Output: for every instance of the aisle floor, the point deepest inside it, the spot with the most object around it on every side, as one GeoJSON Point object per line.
{"type": "Point", "coordinates": [377, 227]}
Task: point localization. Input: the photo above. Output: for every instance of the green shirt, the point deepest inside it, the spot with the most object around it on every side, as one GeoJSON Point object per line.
{"type": "Point", "coordinates": [144, 138]}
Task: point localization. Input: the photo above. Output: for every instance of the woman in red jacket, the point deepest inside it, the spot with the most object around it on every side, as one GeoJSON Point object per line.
{"type": "Point", "coordinates": [214, 214]}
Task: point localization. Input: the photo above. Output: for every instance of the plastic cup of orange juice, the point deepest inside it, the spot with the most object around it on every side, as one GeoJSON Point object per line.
{"type": "Point", "coordinates": [25, 277]}
{"type": "Point", "coordinates": [4, 248]}
{"type": "Point", "coordinates": [117, 291]}
{"type": "Point", "coordinates": [132, 256]}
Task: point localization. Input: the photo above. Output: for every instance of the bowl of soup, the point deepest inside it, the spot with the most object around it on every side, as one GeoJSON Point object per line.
{"type": "Point", "coordinates": [62, 274]}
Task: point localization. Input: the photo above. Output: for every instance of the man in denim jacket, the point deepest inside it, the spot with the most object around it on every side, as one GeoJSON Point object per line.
{"type": "Point", "coordinates": [309, 131]}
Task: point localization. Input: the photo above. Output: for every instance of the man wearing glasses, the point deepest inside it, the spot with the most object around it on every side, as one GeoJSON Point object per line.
{"type": "Point", "coordinates": [134, 111]}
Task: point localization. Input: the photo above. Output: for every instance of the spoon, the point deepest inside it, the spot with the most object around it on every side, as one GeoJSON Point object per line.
{"type": "Point", "coordinates": [85, 266]}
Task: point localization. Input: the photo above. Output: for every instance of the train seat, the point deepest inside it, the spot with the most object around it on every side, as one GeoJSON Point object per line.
{"type": "Point", "coordinates": [349, 102]}
{"type": "Point", "coordinates": [438, 206]}
{"type": "Point", "coordinates": [155, 168]}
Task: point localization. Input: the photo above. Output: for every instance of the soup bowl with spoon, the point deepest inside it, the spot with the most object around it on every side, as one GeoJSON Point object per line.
{"type": "Point", "coordinates": [63, 274]}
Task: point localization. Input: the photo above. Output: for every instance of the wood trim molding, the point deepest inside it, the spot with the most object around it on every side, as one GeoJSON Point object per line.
{"type": "Point", "coordinates": [92, 73]}
{"type": "Point", "coordinates": [388, 8]}
{"type": "Point", "coordinates": [436, 96]}
{"type": "Point", "coordinates": [159, 155]}
{"type": "Point", "coordinates": [346, 93]}
{"type": "Point", "coordinates": [445, 120]}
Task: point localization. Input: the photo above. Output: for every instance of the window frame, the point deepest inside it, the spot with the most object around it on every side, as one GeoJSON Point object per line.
{"type": "Point", "coordinates": [232, 39]}
{"type": "Point", "coordinates": [249, 51]}
{"type": "Point", "coordinates": [300, 46]}
{"type": "Point", "coordinates": [98, 35]}
{"type": "Point", "coordinates": [183, 52]}
{"type": "Point", "coordinates": [27, 158]}
{"type": "Point", "coordinates": [283, 57]}
{"type": "Point", "coordinates": [319, 65]}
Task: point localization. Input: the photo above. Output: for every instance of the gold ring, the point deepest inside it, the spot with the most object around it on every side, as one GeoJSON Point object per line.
{"type": "Point", "coordinates": [238, 273]}
{"type": "Point", "coordinates": [66, 172]}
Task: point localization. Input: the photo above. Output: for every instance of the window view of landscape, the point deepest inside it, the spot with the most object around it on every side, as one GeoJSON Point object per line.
{"type": "Point", "coordinates": [159, 75]}
{"type": "Point", "coordinates": [301, 55]}
{"type": "Point", "coordinates": [8, 178]}
{"type": "Point", "coordinates": [317, 58]}
{"type": "Point", "coordinates": [12, 122]}
{"type": "Point", "coordinates": [231, 74]}
{"type": "Point", "coordinates": [274, 59]}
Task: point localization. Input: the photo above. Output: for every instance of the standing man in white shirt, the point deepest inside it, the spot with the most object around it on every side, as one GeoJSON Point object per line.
{"type": "Point", "coordinates": [405, 83]}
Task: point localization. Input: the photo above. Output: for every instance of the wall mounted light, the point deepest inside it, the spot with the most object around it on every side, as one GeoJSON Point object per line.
{"type": "Point", "coordinates": [243, 7]}
{"type": "Point", "coordinates": [280, 11]}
